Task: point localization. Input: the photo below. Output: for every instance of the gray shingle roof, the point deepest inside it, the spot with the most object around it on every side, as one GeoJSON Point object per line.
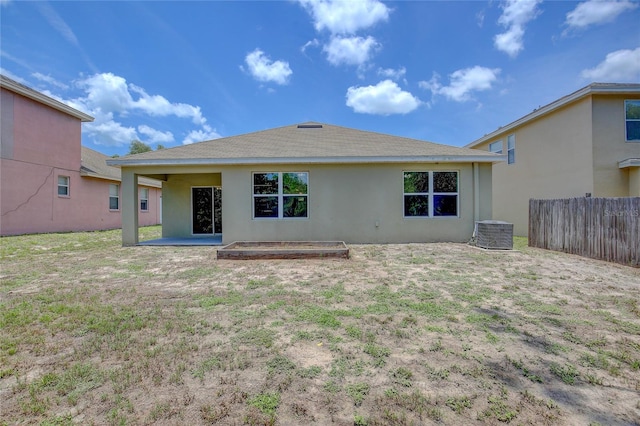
{"type": "Point", "coordinates": [307, 142]}
{"type": "Point", "coordinates": [94, 164]}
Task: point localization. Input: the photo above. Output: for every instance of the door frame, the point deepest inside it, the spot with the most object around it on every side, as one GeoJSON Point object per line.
{"type": "Point", "coordinates": [212, 210]}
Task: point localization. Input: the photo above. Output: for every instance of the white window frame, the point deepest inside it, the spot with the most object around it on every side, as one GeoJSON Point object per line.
{"type": "Point", "coordinates": [494, 145]}
{"type": "Point", "coordinates": [66, 186]}
{"type": "Point", "coordinates": [432, 193]}
{"type": "Point", "coordinates": [116, 197]}
{"type": "Point", "coordinates": [280, 195]}
{"type": "Point", "coordinates": [511, 148]}
{"type": "Point", "coordinates": [144, 199]}
{"type": "Point", "coordinates": [626, 120]}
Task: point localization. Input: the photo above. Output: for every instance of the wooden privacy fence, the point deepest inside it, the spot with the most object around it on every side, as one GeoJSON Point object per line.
{"type": "Point", "coordinates": [600, 228]}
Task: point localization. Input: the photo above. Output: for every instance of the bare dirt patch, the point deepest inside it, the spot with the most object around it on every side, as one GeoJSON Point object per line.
{"type": "Point", "coordinates": [399, 334]}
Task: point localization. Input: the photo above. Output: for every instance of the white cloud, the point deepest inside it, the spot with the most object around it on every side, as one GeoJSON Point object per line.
{"type": "Point", "coordinates": [58, 23]}
{"type": "Point", "coordinates": [515, 15]}
{"type": "Point", "coordinates": [4, 2]}
{"type": "Point", "coordinates": [463, 82]}
{"type": "Point", "coordinates": [264, 69]}
{"type": "Point", "coordinates": [155, 136]}
{"type": "Point", "coordinates": [310, 43]}
{"type": "Point", "coordinates": [350, 50]}
{"type": "Point", "coordinates": [207, 133]}
{"type": "Point", "coordinates": [111, 93]}
{"type": "Point", "coordinates": [106, 91]}
{"type": "Point", "coordinates": [393, 74]}
{"type": "Point", "coordinates": [621, 66]}
{"type": "Point", "coordinates": [593, 12]}
{"type": "Point", "coordinates": [345, 17]}
{"type": "Point", "coordinates": [49, 80]}
{"type": "Point", "coordinates": [105, 131]}
{"type": "Point", "coordinates": [107, 95]}
{"type": "Point", "coordinates": [157, 105]}
{"type": "Point", "coordinates": [12, 76]}
{"type": "Point", "coordinates": [384, 98]}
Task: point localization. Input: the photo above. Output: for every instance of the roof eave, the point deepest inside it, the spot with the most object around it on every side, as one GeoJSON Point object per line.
{"type": "Point", "coordinates": [309, 160]}
{"type": "Point", "coordinates": [44, 99]}
{"type": "Point", "coordinates": [593, 89]}
{"type": "Point", "coordinates": [143, 182]}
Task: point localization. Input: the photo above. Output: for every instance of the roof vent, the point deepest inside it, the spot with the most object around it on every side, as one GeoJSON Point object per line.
{"type": "Point", "coordinates": [309, 126]}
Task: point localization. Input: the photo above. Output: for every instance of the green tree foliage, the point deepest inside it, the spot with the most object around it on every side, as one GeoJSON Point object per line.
{"type": "Point", "coordinates": [137, 147]}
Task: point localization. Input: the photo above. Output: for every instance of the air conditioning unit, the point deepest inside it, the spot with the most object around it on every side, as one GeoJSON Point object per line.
{"type": "Point", "coordinates": [494, 234]}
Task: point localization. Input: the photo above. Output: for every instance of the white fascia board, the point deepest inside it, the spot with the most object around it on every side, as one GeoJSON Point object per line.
{"type": "Point", "coordinates": [589, 90]}
{"type": "Point", "coordinates": [629, 162]}
{"type": "Point", "coordinates": [309, 160]}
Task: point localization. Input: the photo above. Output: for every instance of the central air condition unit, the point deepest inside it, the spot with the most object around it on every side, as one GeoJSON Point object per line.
{"type": "Point", "coordinates": [494, 234]}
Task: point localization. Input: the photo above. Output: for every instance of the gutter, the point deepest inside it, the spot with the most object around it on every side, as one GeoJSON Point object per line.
{"type": "Point", "coordinates": [495, 158]}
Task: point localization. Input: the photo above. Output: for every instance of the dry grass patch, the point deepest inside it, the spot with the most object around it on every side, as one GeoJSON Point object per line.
{"type": "Point", "coordinates": [91, 332]}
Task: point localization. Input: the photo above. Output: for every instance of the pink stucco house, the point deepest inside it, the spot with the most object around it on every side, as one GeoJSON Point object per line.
{"type": "Point", "coordinates": [48, 181]}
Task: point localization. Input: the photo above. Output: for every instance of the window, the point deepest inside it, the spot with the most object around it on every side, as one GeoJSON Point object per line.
{"type": "Point", "coordinates": [144, 199]}
{"type": "Point", "coordinates": [511, 149]}
{"type": "Point", "coordinates": [280, 195]}
{"type": "Point", "coordinates": [114, 198]}
{"type": "Point", "coordinates": [430, 194]}
{"type": "Point", "coordinates": [63, 186]}
{"type": "Point", "coordinates": [496, 147]}
{"type": "Point", "coordinates": [632, 119]}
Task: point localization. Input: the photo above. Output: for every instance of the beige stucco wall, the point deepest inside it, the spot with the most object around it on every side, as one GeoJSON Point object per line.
{"type": "Point", "coordinates": [353, 203]}
{"type": "Point", "coordinates": [553, 159]}
{"type": "Point", "coordinates": [610, 147]}
{"type": "Point", "coordinates": [176, 201]}
{"type": "Point", "coordinates": [634, 181]}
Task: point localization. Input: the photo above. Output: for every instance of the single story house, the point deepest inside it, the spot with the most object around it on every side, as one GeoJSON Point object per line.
{"type": "Point", "coordinates": [313, 181]}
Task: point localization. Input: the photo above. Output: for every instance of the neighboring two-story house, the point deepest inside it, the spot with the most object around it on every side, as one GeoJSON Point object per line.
{"type": "Point", "coordinates": [584, 144]}
{"type": "Point", "coordinates": [48, 181]}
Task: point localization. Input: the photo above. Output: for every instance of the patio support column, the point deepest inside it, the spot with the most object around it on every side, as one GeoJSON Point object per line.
{"type": "Point", "coordinates": [129, 207]}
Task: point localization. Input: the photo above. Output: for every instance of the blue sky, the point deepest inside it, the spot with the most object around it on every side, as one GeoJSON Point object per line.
{"type": "Point", "coordinates": [173, 73]}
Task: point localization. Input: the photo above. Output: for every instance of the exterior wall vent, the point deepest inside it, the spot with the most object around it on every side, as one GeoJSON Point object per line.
{"type": "Point", "coordinates": [309, 126]}
{"type": "Point", "coordinates": [494, 235]}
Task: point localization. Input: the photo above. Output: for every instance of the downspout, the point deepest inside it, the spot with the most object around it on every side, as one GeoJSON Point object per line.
{"type": "Point", "coordinates": [476, 193]}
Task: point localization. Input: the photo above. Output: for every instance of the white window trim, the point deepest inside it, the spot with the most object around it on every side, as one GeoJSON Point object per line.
{"type": "Point", "coordinates": [496, 144]}
{"type": "Point", "coordinates": [68, 186]}
{"type": "Point", "coordinates": [626, 136]}
{"type": "Point", "coordinates": [142, 198]}
{"type": "Point", "coordinates": [431, 194]}
{"type": "Point", "coordinates": [117, 197]}
{"type": "Point", "coordinates": [513, 148]}
{"type": "Point", "coordinates": [280, 195]}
